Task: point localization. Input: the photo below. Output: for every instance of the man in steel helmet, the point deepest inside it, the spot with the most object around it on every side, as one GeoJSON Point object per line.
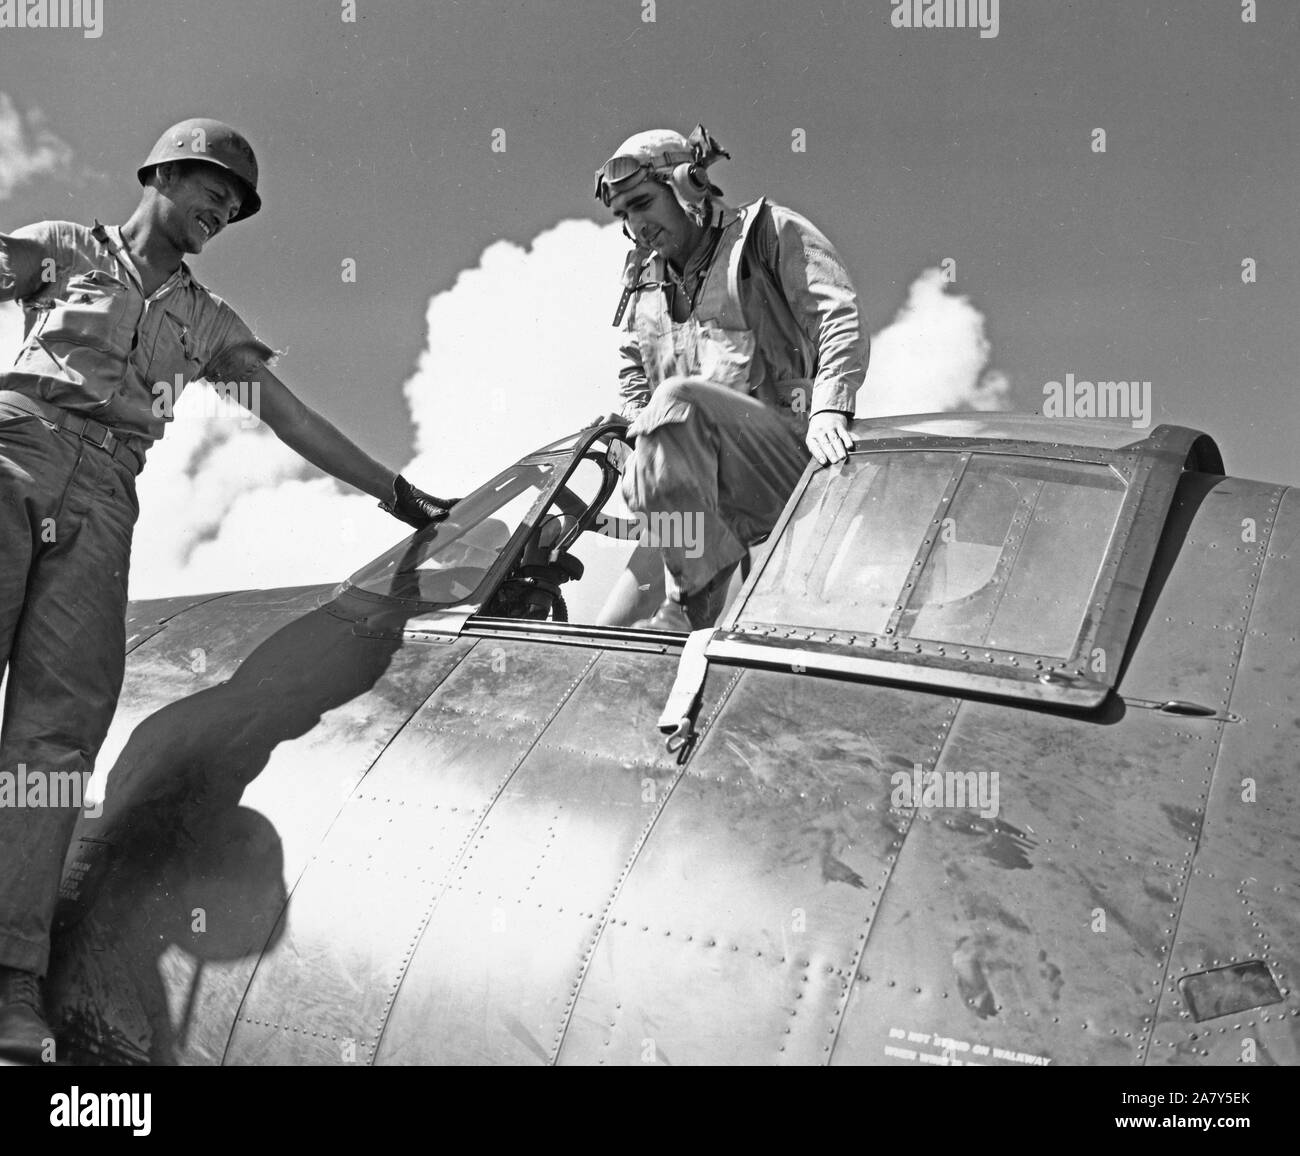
{"type": "Point", "coordinates": [745, 351]}
{"type": "Point", "coordinates": [114, 321]}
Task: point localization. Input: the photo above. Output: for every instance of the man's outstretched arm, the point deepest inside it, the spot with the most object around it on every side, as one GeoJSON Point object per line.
{"type": "Point", "coordinates": [314, 438]}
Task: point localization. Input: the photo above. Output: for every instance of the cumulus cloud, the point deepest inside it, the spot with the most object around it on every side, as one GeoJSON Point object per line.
{"type": "Point", "coordinates": [28, 148]}
{"type": "Point", "coordinates": [226, 506]}
{"type": "Point", "coordinates": [933, 356]}
{"type": "Point", "coordinates": [520, 352]}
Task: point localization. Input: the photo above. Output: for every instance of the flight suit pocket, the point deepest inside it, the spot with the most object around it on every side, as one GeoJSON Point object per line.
{"type": "Point", "coordinates": [693, 348]}
{"type": "Point", "coordinates": [724, 356]}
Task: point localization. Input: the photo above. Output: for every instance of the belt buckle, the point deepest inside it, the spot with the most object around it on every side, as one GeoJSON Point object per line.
{"type": "Point", "coordinates": [106, 442]}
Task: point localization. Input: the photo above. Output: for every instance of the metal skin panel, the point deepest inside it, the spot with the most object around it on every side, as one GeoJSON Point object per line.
{"type": "Point", "coordinates": [500, 958]}
{"type": "Point", "coordinates": [1244, 900]}
{"type": "Point", "coordinates": [738, 927]}
{"type": "Point", "coordinates": [145, 619]}
{"type": "Point", "coordinates": [359, 909]}
{"type": "Point", "coordinates": [989, 936]}
{"type": "Point", "coordinates": [214, 803]}
{"type": "Point", "coordinates": [96, 988]}
{"type": "Point", "coordinates": [1192, 640]}
{"type": "Point", "coordinates": [195, 650]}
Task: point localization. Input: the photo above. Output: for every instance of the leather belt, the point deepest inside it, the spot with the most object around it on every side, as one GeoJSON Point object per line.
{"type": "Point", "coordinates": [88, 430]}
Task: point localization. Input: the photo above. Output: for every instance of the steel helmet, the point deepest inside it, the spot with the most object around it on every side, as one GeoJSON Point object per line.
{"type": "Point", "coordinates": [201, 139]}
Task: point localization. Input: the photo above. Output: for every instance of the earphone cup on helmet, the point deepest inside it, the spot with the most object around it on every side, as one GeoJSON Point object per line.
{"type": "Point", "coordinates": [690, 181]}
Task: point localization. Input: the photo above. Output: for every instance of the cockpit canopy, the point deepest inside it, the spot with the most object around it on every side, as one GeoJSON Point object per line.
{"type": "Point", "coordinates": [977, 550]}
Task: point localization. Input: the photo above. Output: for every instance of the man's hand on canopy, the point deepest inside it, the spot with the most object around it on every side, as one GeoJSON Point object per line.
{"type": "Point", "coordinates": [828, 438]}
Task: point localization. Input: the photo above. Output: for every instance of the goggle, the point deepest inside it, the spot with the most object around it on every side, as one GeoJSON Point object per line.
{"type": "Point", "coordinates": [621, 170]}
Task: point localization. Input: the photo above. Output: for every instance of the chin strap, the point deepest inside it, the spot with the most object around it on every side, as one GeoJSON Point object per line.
{"type": "Point", "coordinates": [632, 283]}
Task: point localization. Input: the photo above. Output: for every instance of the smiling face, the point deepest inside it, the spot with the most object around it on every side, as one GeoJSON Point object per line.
{"type": "Point", "coordinates": [658, 222]}
{"type": "Point", "coordinates": [198, 201]}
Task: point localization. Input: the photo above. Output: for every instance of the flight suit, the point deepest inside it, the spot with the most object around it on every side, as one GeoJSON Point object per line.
{"type": "Point", "coordinates": [91, 388]}
{"type": "Point", "coordinates": [719, 402]}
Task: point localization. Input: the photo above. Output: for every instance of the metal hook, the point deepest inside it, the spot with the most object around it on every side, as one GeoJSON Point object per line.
{"type": "Point", "coordinates": [679, 743]}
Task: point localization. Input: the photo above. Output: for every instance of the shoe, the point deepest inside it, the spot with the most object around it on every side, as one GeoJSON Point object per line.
{"type": "Point", "coordinates": [695, 611]}
{"type": "Point", "coordinates": [669, 616]}
{"type": "Point", "coordinates": [25, 1037]}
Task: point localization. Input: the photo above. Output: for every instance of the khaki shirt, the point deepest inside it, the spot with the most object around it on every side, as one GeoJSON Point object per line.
{"type": "Point", "coordinates": [95, 345]}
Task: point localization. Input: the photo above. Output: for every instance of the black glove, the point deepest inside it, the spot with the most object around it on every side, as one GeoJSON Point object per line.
{"type": "Point", "coordinates": [415, 507]}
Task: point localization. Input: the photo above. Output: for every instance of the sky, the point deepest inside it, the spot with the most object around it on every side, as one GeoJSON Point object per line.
{"type": "Point", "coordinates": [448, 148]}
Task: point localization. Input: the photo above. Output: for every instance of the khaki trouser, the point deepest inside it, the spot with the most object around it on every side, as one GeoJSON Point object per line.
{"type": "Point", "coordinates": [718, 458]}
{"type": "Point", "coordinates": [67, 511]}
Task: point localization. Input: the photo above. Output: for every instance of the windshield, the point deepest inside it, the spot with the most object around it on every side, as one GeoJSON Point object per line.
{"type": "Point", "coordinates": [447, 562]}
{"type": "Point", "coordinates": [978, 550]}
